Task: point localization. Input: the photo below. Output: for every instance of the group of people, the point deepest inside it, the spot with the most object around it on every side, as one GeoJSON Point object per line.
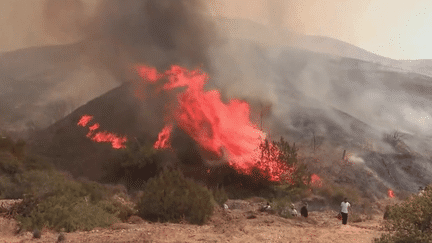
{"type": "Point", "coordinates": [345, 206]}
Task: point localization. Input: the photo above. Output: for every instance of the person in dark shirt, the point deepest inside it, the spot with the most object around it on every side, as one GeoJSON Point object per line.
{"type": "Point", "coordinates": [304, 210]}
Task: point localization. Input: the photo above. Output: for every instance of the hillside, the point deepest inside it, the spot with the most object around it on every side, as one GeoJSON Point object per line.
{"type": "Point", "coordinates": [41, 85]}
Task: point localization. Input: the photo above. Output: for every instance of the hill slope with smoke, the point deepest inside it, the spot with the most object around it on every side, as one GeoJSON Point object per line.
{"type": "Point", "coordinates": [345, 102]}
{"type": "Point", "coordinates": [337, 114]}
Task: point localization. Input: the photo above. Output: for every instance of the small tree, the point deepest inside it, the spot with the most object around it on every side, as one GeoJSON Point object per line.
{"type": "Point", "coordinates": [134, 165]}
{"type": "Point", "coordinates": [410, 221]}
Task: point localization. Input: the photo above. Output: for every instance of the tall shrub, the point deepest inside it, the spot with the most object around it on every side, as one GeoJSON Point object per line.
{"type": "Point", "coordinates": [172, 197]}
{"type": "Point", "coordinates": [410, 221]}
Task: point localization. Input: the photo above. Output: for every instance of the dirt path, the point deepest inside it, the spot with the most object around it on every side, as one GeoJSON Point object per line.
{"type": "Point", "coordinates": [225, 226]}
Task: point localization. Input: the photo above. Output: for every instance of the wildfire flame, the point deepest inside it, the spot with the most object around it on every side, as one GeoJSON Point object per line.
{"type": "Point", "coordinates": [163, 138]}
{"type": "Point", "coordinates": [84, 120]}
{"type": "Point", "coordinates": [390, 193]}
{"type": "Point", "coordinates": [222, 129]}
{"type": "Point", "coordinates": [316, 181]}
{"type": "Point", "coordinates": [116, 142]}
{"type": "Point", "coordinates": [92, 128]}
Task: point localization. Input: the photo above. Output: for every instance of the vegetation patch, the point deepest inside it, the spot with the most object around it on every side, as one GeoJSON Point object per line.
{"type": "Point", "coordinates": [171, 197]}
{"type": "Point", "coordinates": [410, 221]}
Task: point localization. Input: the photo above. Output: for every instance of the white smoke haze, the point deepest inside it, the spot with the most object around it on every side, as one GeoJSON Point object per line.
{"type": "Point", "coordinates": [355, 159]}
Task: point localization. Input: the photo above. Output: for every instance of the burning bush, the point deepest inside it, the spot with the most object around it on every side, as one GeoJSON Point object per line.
{"type": "Point", "coordinates": [410, 221]}
{"type": "Point", "coordinates": [171, 197]}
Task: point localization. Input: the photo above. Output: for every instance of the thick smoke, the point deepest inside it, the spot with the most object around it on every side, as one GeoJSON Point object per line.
{"type": "Point", "coordinates": [82, 49]}
{"type": "Point", "coordinates": [119, 34]}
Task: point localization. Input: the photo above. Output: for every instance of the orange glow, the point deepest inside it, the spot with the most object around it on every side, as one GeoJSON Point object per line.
{"type": "Point", "coordinates": [390, 193]}
{"type": "Point", "coordinates": [224, 129]}
{"type": "Point", "coordinates": [163, 138]}
{"type": "Point", "coordinates": [316, 181]}
{"type": "Point", "coordinates": [84, 120]}
{"type": "Point", "coordinates": [116, 142]}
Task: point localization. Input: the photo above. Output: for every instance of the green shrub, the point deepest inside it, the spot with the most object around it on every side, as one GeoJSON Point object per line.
{"type": "Point", "coordinates": [220, 196]}
{"type": "Point", "coordinates": [9, 164]}
{"type": "Point", "coordinates": [281, 207]}
{"type": "Point", "coordinates": [171, 197]}
{"type": "Point", "coordinates": [9, 188]}
{"type": "Point", "coordinates": [53, 201]}
{"type": "Point", "coordinates": [63, 211]}
{"type": "Point", "coordinates": [121, 211]}
{"type": "Point", "coordinates": [134, 165]}
{"type": "Point", "coordinates": [94, 191]}
{"type": "Point", "coordinates": [410, 221]}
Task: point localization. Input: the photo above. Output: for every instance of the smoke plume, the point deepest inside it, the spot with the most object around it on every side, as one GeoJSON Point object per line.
{"type": "Point", "coordinates": [119, 34]}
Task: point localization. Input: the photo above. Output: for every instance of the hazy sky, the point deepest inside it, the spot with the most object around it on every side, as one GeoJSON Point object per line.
{"type": "Point", "coordinates": [391, 28]}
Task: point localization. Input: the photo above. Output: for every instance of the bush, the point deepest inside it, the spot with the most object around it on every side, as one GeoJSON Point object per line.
{"type": "Point", "coordinates": [410, 221]}
{"type": "Point", "coordinates": [9, 164]}
{"type": "Point", "coordinates": [296, 174]}
{"type": "Point", "coordinates": [63, 211]}
{"type": "Point", "coordinates": [220, 196]}
{"type": "Point", "coordinates": [281, 206]}
{"type": "Point", "coordinates": [134, 165]}
{"type": "Point", "coordinates": [55, 202]}
{"type": "Point", "coordinates": [121, 211]}
{"type": "Point", "coordinates": [8, 145]}
{"type": "Point", "coordinates": [170, 197]}
{"type": "Point", "coordinates": [9, 188]}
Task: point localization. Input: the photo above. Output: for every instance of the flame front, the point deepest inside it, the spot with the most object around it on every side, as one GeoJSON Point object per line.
{"type": "Point", "coordinates": [116, 142]}
{"type": "Point", "coordinates": [390, 193]}
{"type": "Point", "coordinates": [163, 138]}
{"type": "Point", "coordinates": [84, 120]}
{"type": "Point", "coordinates": [316, 180]}
{"type": "Point", "coordinates": [222, 129]}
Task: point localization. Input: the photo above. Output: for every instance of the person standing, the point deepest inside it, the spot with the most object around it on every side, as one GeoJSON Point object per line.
{"type": "Point", "coordinates": [304, 210]}
{"type": "Point", "coordinates": [344, 210]}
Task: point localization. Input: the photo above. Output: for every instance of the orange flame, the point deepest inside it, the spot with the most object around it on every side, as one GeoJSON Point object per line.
{"type": "Point", "coordinates": [222, 129]}
{"type": "Point", "coordinates": [84, 120]}
{"type": "Point", "coordinates": [92, 128]}
{"type": "Point", "coordinates": [390, 193]}
{"type": "Point", "coordinates": [116, 142]}
{"type": "Point", "coordinates": [316, 180]}
{"type": "Point", "coordinates": [163, 138]}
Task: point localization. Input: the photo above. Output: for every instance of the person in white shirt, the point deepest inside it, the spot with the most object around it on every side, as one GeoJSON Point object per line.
{"type": "Point", "coordinates": [344, 210]}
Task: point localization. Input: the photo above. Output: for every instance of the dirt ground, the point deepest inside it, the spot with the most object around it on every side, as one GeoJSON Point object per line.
{"type": "Point", "coordinates": [241, 223]}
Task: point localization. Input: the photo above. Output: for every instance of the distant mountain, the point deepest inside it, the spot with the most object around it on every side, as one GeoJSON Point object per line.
{"type": "Point", "coordinates": [281, 38]}
{"type": "Point", "coordinates": [40, 85]}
